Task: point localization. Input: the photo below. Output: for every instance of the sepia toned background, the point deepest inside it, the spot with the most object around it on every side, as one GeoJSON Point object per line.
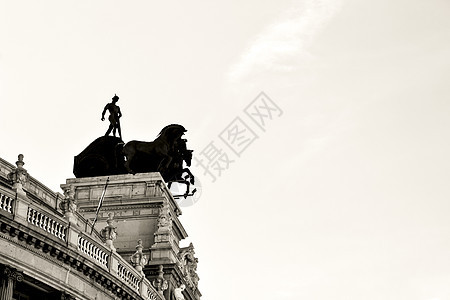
{"type": "Point", "coordinates": [343, 195]}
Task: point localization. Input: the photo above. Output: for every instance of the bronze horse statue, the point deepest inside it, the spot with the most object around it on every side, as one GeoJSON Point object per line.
{"type": "Point", "coordinates": [176, 171]}
{"type": "Point", "coordinates": [108, 155]}
{"type": "Point", "coordinates": [153, 156]}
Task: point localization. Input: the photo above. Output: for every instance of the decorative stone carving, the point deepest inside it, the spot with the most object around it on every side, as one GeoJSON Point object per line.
{"type": "Point", "coordinates": [69, 204]}
{"type": "Point", "coordinates": [109, 232]}
{"type": "Point", "coordinates": [160, 283]}
{"type": "Point", "coordinates": [9, 277]}
{"type": "Point", "coordinates": [178, 292]}
{"type": "Point", "coordinates": [19, 176]}
{"type": "Point", "coordinates": [188, 265]}
{"type": "Point", "coordinates": [138, 259]}
{"type": "Point", "coordinates": [164, 219]}
{"type": "Point", "coordinates": [164, 233]}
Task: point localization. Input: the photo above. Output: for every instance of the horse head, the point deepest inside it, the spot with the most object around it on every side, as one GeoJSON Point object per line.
{"type": "Point", "coordinates": [172, 132]}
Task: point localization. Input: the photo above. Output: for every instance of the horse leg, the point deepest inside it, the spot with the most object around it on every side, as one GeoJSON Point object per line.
{"type": "Point", "coordinates": [189, 175]}
{"type": "Point", "coordinates": [129, 154]}
{"type": "Point", "coordinates": [187, 188]}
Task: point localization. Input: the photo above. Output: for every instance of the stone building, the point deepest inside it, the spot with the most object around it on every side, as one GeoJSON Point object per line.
{"type": "Point", "coordinates": [50, 250]}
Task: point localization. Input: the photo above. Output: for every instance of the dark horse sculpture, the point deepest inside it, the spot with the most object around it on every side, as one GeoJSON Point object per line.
{"type": "Point", "coordinates": [110, 156]}
{"type": "Point", "coordinates": [102, 157]}
{"type": "Point", "coordinates": [176, 170]}
{"type": "Point", "coordinates": [153, 156]}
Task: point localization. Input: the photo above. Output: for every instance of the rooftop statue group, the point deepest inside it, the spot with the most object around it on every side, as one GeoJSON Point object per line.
{"type": "Point", "coordinates": [109, 155]}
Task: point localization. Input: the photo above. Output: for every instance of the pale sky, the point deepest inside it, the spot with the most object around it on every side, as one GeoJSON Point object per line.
{"type": "Point", "coordinates": [344, 196]}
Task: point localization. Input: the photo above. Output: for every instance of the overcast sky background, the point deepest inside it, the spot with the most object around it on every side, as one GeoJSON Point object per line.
{"type": "Point", "coordinates": [344, 196]}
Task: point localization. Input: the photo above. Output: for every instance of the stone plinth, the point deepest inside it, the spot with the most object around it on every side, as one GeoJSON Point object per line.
{"type": "Point", "coordinates": [137, 203]}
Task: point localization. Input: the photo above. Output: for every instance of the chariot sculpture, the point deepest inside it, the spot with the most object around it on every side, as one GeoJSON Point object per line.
{"type": "Point", "coordinates": [109, 155]}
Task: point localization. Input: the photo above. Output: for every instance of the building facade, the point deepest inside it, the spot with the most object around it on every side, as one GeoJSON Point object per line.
{"type": "Point", "coordinates": [50, 247]}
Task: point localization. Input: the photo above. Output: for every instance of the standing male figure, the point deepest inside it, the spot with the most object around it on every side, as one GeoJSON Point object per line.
{"type": "Point", "coordinates": [114, 116]}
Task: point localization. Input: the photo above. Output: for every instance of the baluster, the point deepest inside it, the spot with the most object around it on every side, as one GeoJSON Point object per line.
{"type": "Point", "coordinates": [10, 200]}
{"type": "Point", "coordinates": [57, 229]}
{"type": "Point", "coordinates": [83, 245]}
{"type": "Point", "coordinates": [86, 247]}
{"type": "Point", "coordinates": [52, 227]}
{"type": "Point", "coordinates": [2, 197]}
{"type": "Point", "coordinates": [102, 258]}
{"type": "Point", "coordinates": [99, 258]}
{"type": "Point", "coordinates": [32, 213]}
{"type": "Point", "coordinates": [35, 218]}
{"type": "Point", "coordinates": [85, 250]}
{"type": "Point", "coordinates": [120, 271]}
{"type": "Point", "coordinates": [63, 233]}
{"type": "Point", "coordinates": [40, 220]}
{"type": "Point", "coordinates": [96, 253]}
{"type": "Point", "coordinates": [99, 255]}
{"type": "Point", "coordinates": [91, 250]}
{"type": "Point", "coordinates": [60, 231]}
{"type": "Point", "coordinates": [44, 223]}
{"type": "Point", "coordinates": [49, 225]}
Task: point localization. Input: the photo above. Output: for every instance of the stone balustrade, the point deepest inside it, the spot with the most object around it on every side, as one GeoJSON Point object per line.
{"type": "Point", "coordinates": [6, 203]}
{"type": "Point", "coordinates": [46, 223]}
{"type": "Point", "coordinates": [32, 219]}
{"type": "Point", "coordinates": [129, 275]}
{"type": "Point", "coordinates": [33, 187]}
{"type": "Point", "coordinates": [95, 252]}
{"type": "Point", "coordinates": [152, 295]}
{"type": "Point", "coordinates": [88, 246]}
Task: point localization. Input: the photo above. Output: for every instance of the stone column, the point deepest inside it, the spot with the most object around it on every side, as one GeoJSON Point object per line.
{"type": "Point", "coordinates": [9, 278]}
